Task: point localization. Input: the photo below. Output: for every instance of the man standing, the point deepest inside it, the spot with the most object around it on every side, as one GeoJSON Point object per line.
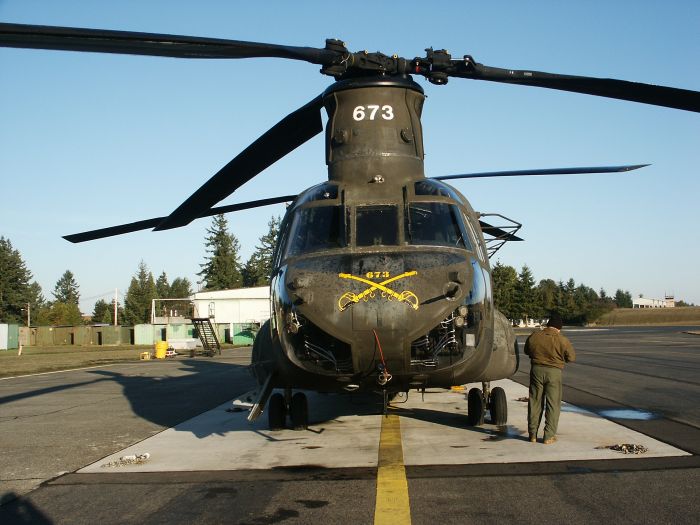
{"type": "Point", "coordinates": [548, 350]}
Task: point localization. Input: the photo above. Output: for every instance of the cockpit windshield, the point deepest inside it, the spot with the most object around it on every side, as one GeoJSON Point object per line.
{"type": "Point", "coordinates": [376, 225]}
{"type": "Point", "coordinates": [315, 229]}
{"type": "Point", "coordinates": [436, 223]}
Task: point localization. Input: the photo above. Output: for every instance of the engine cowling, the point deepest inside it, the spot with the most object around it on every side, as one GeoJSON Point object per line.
{"type": "Point", "coordinates": [505, 358]}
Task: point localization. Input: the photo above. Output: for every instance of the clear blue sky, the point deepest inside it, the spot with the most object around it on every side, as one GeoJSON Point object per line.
{"type": "Point", "coordinates": [94, 140]}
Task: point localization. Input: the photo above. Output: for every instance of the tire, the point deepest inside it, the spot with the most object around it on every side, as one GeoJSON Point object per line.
{"type": "Point", "coordinates": [276, 412]}
{"type": "Point", "coordinates": [498, 406]}
{"type": "Point", "coordinates": [299, 411]}
{"type": "Point", "coordinates": [475, 407]}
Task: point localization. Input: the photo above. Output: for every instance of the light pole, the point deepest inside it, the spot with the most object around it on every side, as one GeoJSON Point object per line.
{"type": "Point", "coordinates": [29, 314]}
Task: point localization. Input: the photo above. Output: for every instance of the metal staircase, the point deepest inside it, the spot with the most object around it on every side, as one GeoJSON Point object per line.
{"type": "Point", "coordinates": [207, 335]}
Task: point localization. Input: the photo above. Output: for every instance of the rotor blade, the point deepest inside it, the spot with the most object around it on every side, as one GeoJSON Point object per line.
{"type": "Point", "coordinates": [284, 137]}
{"type": "Point", "coordinates": [150, 223]}
{"type": "Point", "coordinates": [497, 232]}
{"type": "Point", "coordinates": [603, 87]}
{"type": "Point", "coordinates": [153, 44]}
{"type": "Point", "coordinates": [549, 171]}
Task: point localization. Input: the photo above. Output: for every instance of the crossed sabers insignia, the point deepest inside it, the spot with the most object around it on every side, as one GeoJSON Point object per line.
{"type": "Point", "coordinates": [349, 298]}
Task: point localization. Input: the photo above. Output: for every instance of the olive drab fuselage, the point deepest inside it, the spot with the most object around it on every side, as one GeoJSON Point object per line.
{"type": "Point", "coordinates": [381, 276]}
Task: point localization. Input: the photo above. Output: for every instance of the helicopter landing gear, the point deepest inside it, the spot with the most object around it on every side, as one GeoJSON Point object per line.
{"type": "Point", "coordinates": [299, 411]}
{"type": "Point", "coordinates": [498, 406]}
{"type": "Point", "coordinates": [475, 407]}
{"type": "Point", "coordinates": [276, 411]}
{"type": "Point", "coordinates": [495, 400]}
{"type": "Point", "coordinates": [281, 405]}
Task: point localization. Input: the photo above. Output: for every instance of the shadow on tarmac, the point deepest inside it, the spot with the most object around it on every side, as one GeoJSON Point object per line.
{"type": "Point", "coordinates": [20, 510]}
{"type": "Point", "coordinates": [168, 400]}
{"type": "Point", "coordinates": [164, 395]}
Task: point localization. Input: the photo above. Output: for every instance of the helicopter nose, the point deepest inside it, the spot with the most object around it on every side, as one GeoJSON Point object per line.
{"type": "Point", "coordinates": [344, 308]}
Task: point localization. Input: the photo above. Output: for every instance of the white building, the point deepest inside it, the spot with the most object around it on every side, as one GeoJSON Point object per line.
{"type": "Point", "coordinates": [643, 302]}
{"type": "Point", "coordinates": [242, 305]}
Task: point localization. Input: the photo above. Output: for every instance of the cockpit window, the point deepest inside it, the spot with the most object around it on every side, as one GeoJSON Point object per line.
{"type": "Point", "coordinates": [436, 223]}
{"type": "Point", "coordinates": [315, 229]}
{"type": "Point", "coordinates": [376, 226]}
{"type": "Point", "coordinates": [437, 188]}
{"type": "Point", "coordinates": [324, 191]}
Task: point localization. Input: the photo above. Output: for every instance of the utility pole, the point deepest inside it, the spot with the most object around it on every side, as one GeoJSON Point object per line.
{"type": "Point", "coordinates": [116, 299]}
{"type": "Point", "coordinates": [29, 315]}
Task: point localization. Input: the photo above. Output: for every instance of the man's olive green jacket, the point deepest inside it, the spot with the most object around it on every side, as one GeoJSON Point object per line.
{"type": "Point", "coordinates": [549, 348]}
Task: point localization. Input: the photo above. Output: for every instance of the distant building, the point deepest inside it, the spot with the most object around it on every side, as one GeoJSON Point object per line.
{"type": "Point", "coordinates": [643, 302]}
{"type": "Point", "coordinates": [241, 305]}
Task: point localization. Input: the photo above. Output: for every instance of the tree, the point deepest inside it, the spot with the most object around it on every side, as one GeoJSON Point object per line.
{"type": "Point", "coordinates": [222, 267]}
{"type": "Point", "coordinates": [548, 292]}
{"type": "Point", "coordinates": [526, 304]}
{"type": "Point", "coordinates": [258, 268]}
{"type": "Point", "coordinates": [16, 290]}
{"type": "Point", "coordinates": [100, 312]}
{"type": "Point", "coordinates": [504, 281]}
{"type": "Point", "coordinates": [104, 312]}
{"type": "Point", "coordinates": [623, 299]}
{"type": "Point", "coordinates": [64, 314]}
{"type": "Point", "coordinates": [162, 286]}
{"type": "Point", "coordinates": [66, 289]}
{"type": "Point", "coordinates": [181, 288]}
{"type": "Point", "coordinates": [139, 296]}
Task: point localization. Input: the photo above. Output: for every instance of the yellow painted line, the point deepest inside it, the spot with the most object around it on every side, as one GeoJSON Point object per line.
{"type": "Point", "coordinates": [392, 505]}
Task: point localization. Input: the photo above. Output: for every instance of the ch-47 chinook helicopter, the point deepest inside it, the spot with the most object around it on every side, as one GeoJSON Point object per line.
{"type": "Point", "coordinates": [381, 277]}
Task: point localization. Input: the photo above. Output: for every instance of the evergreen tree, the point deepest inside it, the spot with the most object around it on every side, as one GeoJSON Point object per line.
{"type": "Point", "coordinates": [222, 269]}
{"type": "Point", "coordinates": [548, 293]}
{"type": "Point", "coordinates": [64, 314]}
{"type": "Point", "coordinates": [66, 289]}
{"type": "Point", "coordinates": [526, 304]}
{"type": "Point", "coordinates": [623, 299]}
{"type": "Point", "coordinates": [139, 296]}
{"type": "Point", "coordinates": [162, 286]}
{"type": "Point", "coordinates": [104, 312]}
{"type": "Point", "coordinates": [16, 290]}
{"type": "Point", "coordinates": [181, 288]}
{"type": "Point", "coordinates": [504, 281]}
{"type": "Point", "coordinates": [39, 307]}
{"type": "Point", "coordinates": [258, 269]}
{"type": "Point", "coordinates": [100, 312]}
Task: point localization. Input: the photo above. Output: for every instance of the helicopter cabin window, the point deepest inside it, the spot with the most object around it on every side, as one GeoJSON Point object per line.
{"type": "Point", "coordinates": [431, 187]}
{"type": "Point", "coordinates": [436, 223]}
{"type": "Point", "coordinates": [315, 229]}
{"type": "Point", "coordinates": [481, 251]}
{"type": "Point", "coordinates": [324, 191]}
{"type": "Point", "coordinates": [376, 226]}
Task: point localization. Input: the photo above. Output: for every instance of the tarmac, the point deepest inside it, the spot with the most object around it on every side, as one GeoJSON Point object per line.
{"type": "Point", "coordinates": [434, 431]}
{"type": "Point", "coordinates": [162, 442]}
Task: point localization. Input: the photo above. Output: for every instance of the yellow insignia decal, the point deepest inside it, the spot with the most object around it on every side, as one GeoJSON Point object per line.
{"type": "Point", "coordinates": [349, 298]}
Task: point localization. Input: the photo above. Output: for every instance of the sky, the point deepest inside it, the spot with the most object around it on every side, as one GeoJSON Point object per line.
{"type": "Point", "coordinates": [92, 140]}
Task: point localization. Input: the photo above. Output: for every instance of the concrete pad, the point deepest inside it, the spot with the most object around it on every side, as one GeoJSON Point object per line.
{"type": "Point", "coordinates": [341, 434]}
{"type": "Point", "coordinates": [450, 441]}
{"type": "Point", "coordinates": [344, 432]}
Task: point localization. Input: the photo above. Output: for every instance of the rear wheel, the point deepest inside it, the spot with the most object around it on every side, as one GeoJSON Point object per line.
{"type": "Point", "coordinates": [475, 407]}
{"type": "Point", "coordinates": [498, 406]}
{"type": "Point", "coordinates": [276, 412]}
{"type": "Point", "coordinates": [299, 411]}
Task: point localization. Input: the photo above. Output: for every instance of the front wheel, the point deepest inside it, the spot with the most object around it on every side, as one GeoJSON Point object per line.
{"type": "Point", "coordinates": [276, 412]}
{"type": "Point", "coordinates": [498, 407]}
{"type": "Point", "coordinates": [299, 411]}
{"type": "Point", "coordinates": [475, 407]}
